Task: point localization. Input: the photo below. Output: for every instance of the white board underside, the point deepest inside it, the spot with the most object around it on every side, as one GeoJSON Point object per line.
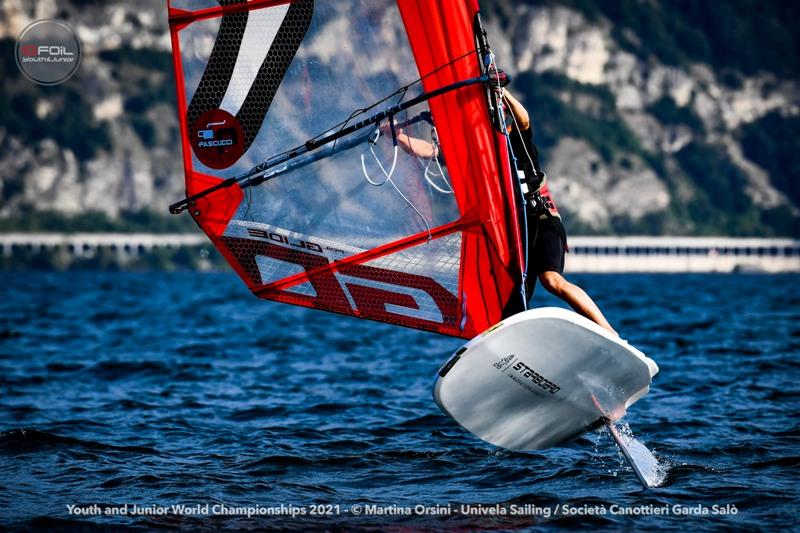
{"type": "Point", "coordinates": [540, 378]}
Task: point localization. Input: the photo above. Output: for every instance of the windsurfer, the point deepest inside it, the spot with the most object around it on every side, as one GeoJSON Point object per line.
{"type": "Point", "coordinates": [546, 237]}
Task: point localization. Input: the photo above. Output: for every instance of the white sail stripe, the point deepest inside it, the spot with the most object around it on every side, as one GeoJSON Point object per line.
{"type": "Point", "coordinates": [262, 26]}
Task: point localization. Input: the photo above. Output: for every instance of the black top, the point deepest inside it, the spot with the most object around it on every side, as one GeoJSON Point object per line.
{"type": "Point", "coordinates": [527, 156]}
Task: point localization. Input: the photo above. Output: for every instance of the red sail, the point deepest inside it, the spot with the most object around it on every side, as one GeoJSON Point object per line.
{"type": "Point", "coordinates": [411, 224]}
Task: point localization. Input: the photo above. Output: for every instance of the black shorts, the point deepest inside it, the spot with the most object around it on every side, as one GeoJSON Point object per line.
{"type": "Point", "coordinates": [547, 244]}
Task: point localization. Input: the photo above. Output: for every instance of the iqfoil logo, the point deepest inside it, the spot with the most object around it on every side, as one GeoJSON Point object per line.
{"type": "Point", "coordinates": [48, 52]}
{"type": "Point", "coordinates": [32, 53]}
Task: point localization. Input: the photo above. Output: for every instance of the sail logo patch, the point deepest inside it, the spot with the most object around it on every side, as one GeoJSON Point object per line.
{"type": "Point", "coordinates": [367, 291]}
{"type": "Point", "coordinates": [292, 267]}
{"type": "Point", "coordinates": [217, 139]}
{"type": "Point", "coordinates": [283, 239]}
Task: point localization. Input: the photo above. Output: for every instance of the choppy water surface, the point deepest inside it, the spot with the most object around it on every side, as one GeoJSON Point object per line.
{"type": "Point", "coordinates": [162, 389]}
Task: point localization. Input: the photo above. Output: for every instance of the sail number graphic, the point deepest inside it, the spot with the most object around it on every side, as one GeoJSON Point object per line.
{"type": "Point", "coordinates": [369, 288]}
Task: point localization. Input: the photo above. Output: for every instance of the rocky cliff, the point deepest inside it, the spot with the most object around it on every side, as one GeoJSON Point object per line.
{"type": "Point", "coordinates": [641, 128]}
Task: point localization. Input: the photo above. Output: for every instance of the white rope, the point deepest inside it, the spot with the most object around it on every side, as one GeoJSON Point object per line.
{"type": "Point", "coordinates": [388, 176]}
{"type": "Point", "coordinates": [429, 175]}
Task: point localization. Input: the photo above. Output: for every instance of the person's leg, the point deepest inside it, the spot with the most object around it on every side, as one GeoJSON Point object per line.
{"type": "Point", "coordinates": [550, 248]}
{"type": "Point", "coordinates": [575, 297]}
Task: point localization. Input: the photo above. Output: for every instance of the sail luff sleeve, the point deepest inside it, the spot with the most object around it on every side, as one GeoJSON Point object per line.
{"type": "Point", "coordinates": [440, 32]}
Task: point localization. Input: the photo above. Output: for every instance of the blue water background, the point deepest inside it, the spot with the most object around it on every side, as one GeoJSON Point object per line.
{"type": "Point", "coordinates": [183, 388]}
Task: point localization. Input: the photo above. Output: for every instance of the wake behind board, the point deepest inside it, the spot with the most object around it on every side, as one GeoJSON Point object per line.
{"type": "Point", "coordinates": [541, 378]}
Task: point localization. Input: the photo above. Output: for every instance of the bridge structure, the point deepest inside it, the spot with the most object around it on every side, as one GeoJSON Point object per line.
{"type": "Point", "coordinates": [682, 254]}
{"type": "Point", "coordinates": [83, 245]}
{"type": "Point", "coordinates": [586, 254]}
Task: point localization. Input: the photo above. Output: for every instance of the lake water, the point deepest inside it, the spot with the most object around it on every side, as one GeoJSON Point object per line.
{"type": "Point", "coordinates": [159, 389]}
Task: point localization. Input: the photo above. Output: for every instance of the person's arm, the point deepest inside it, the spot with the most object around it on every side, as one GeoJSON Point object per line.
{"type": "Point", "coordinates": [417, 147]}
{"type": "Point", "coordinates": [518, 110]}
{"type": "Point", "coordinates": [411, 145]}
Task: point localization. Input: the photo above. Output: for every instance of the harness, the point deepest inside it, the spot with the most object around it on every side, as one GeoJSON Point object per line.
{"type": "Point", "coordinates": [540, 205]}
{"type": "Point", "coordinates": [538, 202]}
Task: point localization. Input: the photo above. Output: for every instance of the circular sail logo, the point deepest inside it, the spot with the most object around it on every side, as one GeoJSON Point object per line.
{"type": "Point", "coordinates": [217, 139]}
{"type": "Point", "coordinates": [48, 52]}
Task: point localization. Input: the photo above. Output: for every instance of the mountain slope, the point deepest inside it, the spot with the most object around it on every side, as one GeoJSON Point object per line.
{"type": "Point", "coordinates": [647, 124]}
{"type": "Point", "coordinates": [652, 116]}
